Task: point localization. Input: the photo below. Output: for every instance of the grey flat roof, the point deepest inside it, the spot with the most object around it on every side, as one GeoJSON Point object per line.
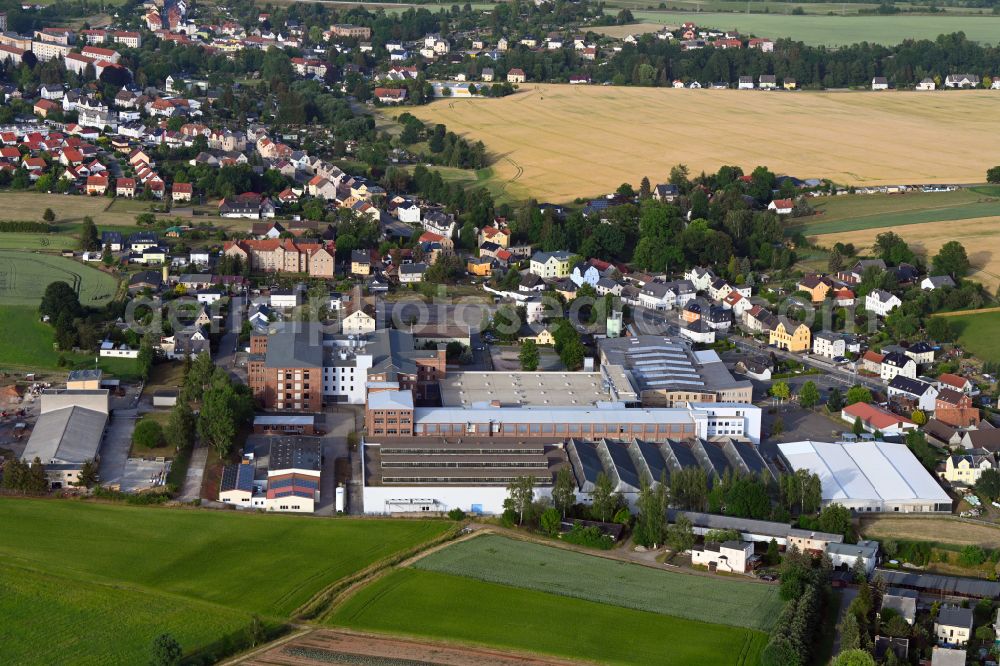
{"type": "Point", "coordinates": [557, 414]}
{"type": "Point", "coordinates": [294, 348]}
{"type": "Point", "coordinates": [68, 435]}
{"type": "Point", "coordinates": [390, 400]}
{"type": "Point", "coordinates": [464, 389]}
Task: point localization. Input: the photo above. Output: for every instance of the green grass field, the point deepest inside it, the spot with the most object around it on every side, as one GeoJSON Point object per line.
{"type": "Point", "coordinates": [442, 606]}
{"type": "Point", "coordinates": [835, 30]}
{"type": "Point", "coordinates": [978, 334]}
{"type": "Point", "coordinates": [26, 344]}
{"type": "Point", "coordinates": [175, 563]}
{"type": "Point", "coordinates": [25, 275]}
{"type": "Point", "coordinates": [497, 559]}
{"type": "Point", "coordinates": [856, 212]}
{"type": "Point", "coordinates": [54, 619]}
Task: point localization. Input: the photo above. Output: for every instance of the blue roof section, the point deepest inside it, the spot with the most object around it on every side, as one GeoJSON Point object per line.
{"type": "Point", "coordinates": [296, 481]}
{"type": "Point", "coordinates": [237, 477]}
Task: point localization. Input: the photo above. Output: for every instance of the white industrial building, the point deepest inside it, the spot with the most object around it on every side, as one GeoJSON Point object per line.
{"type": "Point", "coordinates": [869, 476]}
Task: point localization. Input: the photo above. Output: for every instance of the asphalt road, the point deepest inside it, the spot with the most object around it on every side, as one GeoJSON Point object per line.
{"type": "Point", "coordinates": [114, 450]}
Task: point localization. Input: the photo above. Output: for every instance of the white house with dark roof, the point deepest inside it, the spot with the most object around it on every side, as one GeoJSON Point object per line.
{"type": "Point", "coordinates": [881, 302]}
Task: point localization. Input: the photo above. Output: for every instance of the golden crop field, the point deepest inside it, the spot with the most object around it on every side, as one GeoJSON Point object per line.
{"type": "Point", "coordinates": [559, 142]}
{"type": "Point", "coordinates": [943, 530]}
{"type": "Point", "coordinates": [980, 236]}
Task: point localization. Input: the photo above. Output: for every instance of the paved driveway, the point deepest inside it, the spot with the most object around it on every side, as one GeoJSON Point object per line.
{"type": "Point", "coordinates": [114, 450]}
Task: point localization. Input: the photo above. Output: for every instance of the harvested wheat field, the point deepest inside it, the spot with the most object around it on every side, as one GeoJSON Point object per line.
{"type": "Point", "coordinates": [980, 236]}
{"type": "Point", "coordinates": [942, 530]}
{"type": "Point", "coordinates": [559, 142]}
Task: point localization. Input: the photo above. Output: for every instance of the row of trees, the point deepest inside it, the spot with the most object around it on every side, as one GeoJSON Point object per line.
{"type": "Point", "coordinates": [806, 589]}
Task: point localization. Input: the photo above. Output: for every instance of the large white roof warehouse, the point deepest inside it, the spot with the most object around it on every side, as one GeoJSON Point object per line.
{"type": "Point", "coordinates": [869, 476]}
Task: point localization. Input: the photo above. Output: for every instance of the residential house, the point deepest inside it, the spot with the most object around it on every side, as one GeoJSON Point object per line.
{"type": "Point", "coordinates": [125, 187]}
{"type": "Point", "coordinates": [412, 273]}
{"type": "Point", "coordinates": [361, 262]}
{"type": "Point", "coordinates": [781, 206]}
{"type": "Point", "coordinates": [876, 419]}
{"type": "Point", "coordinates": [843, 297]}
{"type": "Point", "coordinates": [516, 75]}
{"type": "Point", "coordinates": [956, 382]}
{"type": "Point", "coordinates": [930, 283]}
{"type": "Point", "coordinates": [880, 83]}
{"type": "Point", "coordinates": [791, 336]}
{"type": "Point", "coordinates": [881, 302]}
{"type": "Point", "coordinates": [730, 556]}
{"type": "Point", "coordinates": [962, 81]}
{"type": "Point", "coordinates": [916, 393]}
{"type": "Point", "coordinates": [966, 468]}
{"type": "Point", "coordinates": [829, 344]}
{"type": "Point", "coordinates": [817, 286]}
{"type": "Point", "coordinates": [358, 322]}
{"type": "Point", "coordinates": [759, 319]}
{"type": "Point", "coordinates": [895, 364]}
{"type": "Point", "coordinates": [871, 362]}
{"type": "Point", "coordinates": [926, 84]}
{"type": "Point", "coordinates": [285, 255]}
{"type": "Point", "coordinates": [665, 192]}
{"type": "Point", "coordinates": [479, 266]}
{"type": "Point", "coordinates": [954, 408]}
{"type": "Point", "coordinates": [953, 625]}
{"type": "Point", "coordinates": [921, 353]}
{"type": "Point", "coordinates": [181, 192]}
{"type": "Point", "coordinates": [551, 264]}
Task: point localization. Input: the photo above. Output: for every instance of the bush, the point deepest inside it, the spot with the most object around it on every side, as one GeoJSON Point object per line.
{"type": "Point", "coordinates": [456, 514]}
{"type": "Point", "coordinates": [148, 434]}
{"type": "Point", "coordinates": [972, 556]}
{"type": "Point", "coordinates": [915, 552]}
{"type": "Point", "coordinates": [590, 537]}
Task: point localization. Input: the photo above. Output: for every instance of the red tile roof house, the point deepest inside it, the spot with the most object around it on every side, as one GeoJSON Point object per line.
{"type": "Point", "coordinates": [782, 206]}
{"type": "Point", "coordinates": [125, 187]}
{"type": "Point", "coordinates": [876, 419]}
{"type": "Point", "coordinates": [956, 382]}
{"type": "Point", "coordinates": [390, 95]}
{"type": "Point", "coordinates": [97, 184]}
{"type": "Point", "coordinates": [44, 107]}
{"type": "Point", "coordinates": [182, 192]}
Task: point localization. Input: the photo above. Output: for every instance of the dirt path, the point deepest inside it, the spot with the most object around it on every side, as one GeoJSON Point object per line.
{"type": "Point", "coordinates": [325, 646]}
